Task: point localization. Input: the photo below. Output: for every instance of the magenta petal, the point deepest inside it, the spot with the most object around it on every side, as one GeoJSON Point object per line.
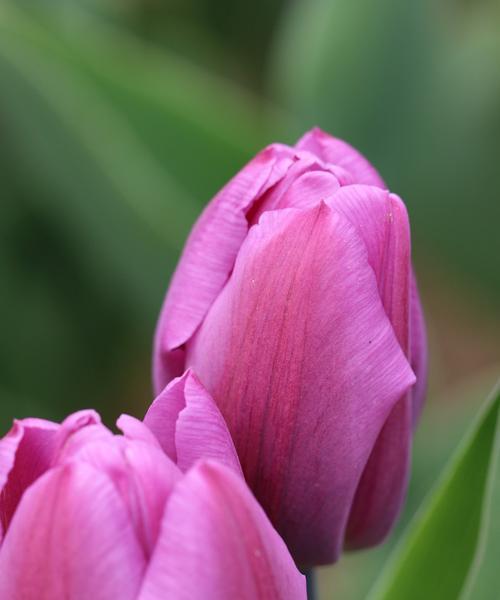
{"type": "Point", "coordinates": [304, 406]}
{"type": "Point", "coordinates": [307, 182]}
{"type": "Point", "coordinates": [217, 544]}
{"type": "Point", "coordinates": [382, 221]}
{"type": "Point", "coordinates": [8, 449]}
{"type": "Point", "coordinates": [26, 453]}
{"type": "Point", "coordinates": [70, 433]}
{"type": "Point", "coordinates": [161, 417]}
{"type": "Point", "coordinates": [71, 538]}
{"type": "Point", "coordinates": [151, 478]}
{"type": "Point", "coordinates": [208, 258]}
{"type": "Point", "coordinates": [140, 471]}
{"type": "Point", "coordinates": [382, 488]}
{"type": "Point", "coordinates": [189, 426]}
{"type": "Point", "coordinates": [201, 431]}
{"type": "Point", "coordinates": [76, 433]}
{"type": "Point", "coordinates": [309, 189]}
{"type": "Point", "coordinates": [134, 429]}
{"type": "Point", "coordinates": [337, 152]}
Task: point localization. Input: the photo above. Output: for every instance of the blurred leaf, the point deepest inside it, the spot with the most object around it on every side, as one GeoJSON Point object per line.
{"type": "Point", "coordinates": [87, 166]}
{"type": "Point", "coordinates": [483, 582]}
{"type": "Point", "coordinates": [122, 136]}
{"type": "Point", "coordinates": [190, 119]}
{"type": "Point", "coordinates": [436, 555]}
{"type": "Point", "coordinates": [354, 68]}
{"type": "Point", "coordinates": [109, 150]}
{"type": "Point", "coordinates": [453, 174]}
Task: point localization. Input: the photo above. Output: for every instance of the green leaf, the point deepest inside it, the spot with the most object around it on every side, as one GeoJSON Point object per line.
{"type": "Point", "coordinates": [483, 582]}
{"type": "Point", "coordinates": [442, 554]}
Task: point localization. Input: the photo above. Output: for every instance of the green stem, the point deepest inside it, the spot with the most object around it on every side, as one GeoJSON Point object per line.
{"type": "Point", "coordinates": [311, 585]}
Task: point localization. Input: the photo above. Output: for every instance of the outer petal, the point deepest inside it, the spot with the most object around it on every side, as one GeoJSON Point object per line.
{"type": "Point", "coordinates": [208, 258]}
{"type": "Point", "coordinates": [25, 453]}
{"type": "Point", "coordinates": [216, 543]}
{"type": "Point", "coordinates": [338, 152]}
{"type": "Point", "coordinates": [382, 488]}
{"type": "Point", "coordinates": [418, 351]}
{"type": "Point", "coordinates": [71, 538]}
{"type": "Point", "coordinates": [382, 220]}
{"type": "Point", "coordinates": [141, 473]}
{"type": "Point", "coordinates": [303, 362]}
{"type": "Point", "coordinates": [189, 425]}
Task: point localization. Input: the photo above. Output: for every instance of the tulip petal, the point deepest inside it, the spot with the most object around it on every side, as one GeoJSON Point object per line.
{"type": "Point", "coordinates": [303, 362]}
{"type": "Point", "coordinates": [201, 431]}
{"type": "Point", "coordinates": [71, 538]}
{"type": "Point", "coordinates": [217, 544]}
{"type": "Point", "coordinates": [26, 453]}
{"type": "Point", "coordinates": [141, 473]}
{"type": "Point", "coordinates": [337, 152]}
{"type": "Point", "coordinates": [189, 426]}
{"type": "Point", "coordinates": [134, 429]}
{"type": "Point", "coordinates": [152, 476]}
{"type": "Point", "coordinates": [382, 221]}
{"type": "Point", "coordinates": [161, 417]}
{"type": "Point", "coordinates": [381, 491]}
{"type": "Point", "coordinates": [77, 431]}
{"type": "Point", "coordinates": [208, 258]}
{"type": "Point", "coordinates": [307, 182]}
{"type": "Point", "coordinates": [382, 488]}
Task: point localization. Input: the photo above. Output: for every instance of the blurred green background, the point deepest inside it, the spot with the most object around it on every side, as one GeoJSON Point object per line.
{"type": "Point", "coordinates": [120, 119]}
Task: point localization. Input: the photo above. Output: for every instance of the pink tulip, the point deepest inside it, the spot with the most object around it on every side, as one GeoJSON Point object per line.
{"type": "Point", "coordinates": [294, 302]}
{"type": "Point", "coordinates": [86, 514]}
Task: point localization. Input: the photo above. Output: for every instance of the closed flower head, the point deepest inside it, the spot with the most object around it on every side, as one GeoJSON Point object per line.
{"type": "Point", "coordinates": [295, 304]}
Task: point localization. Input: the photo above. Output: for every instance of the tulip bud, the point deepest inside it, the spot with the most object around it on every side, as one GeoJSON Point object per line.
{"type": "Point", "coordinates": [294, 303]}
{"type": "Point", "coordinates": [88, 514]}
